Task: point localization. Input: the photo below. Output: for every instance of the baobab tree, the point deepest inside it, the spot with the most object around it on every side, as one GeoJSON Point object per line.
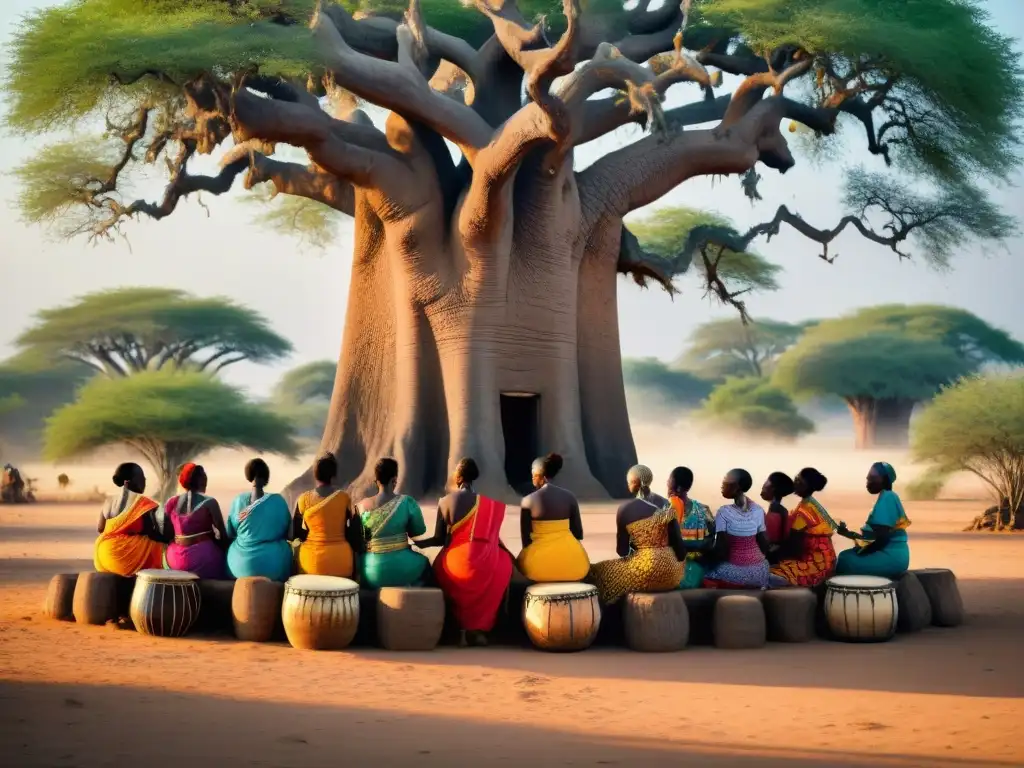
{"type": "Point", "coordinates": [482, 316]}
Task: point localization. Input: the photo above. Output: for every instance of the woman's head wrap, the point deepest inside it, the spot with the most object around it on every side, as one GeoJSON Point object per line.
{"type": "Point", "coordinates": [185, 475]}
{"type": "Point", "coordinates": [885, 470]}
{"type": "Point", "coordinates": [644, 476]}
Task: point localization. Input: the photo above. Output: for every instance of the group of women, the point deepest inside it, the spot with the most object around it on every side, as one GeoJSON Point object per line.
{"type": "Point", "coordinates": [662, 543]}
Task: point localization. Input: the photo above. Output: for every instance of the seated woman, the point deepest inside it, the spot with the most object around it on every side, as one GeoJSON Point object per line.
{"type": "Point", "coordinates": [325, 526]}
{"type": "Point", "coordinates": [806, 556]}
{"type": "Point", "coordinates": [130, 539]}
{"type": "Point", "coordinates": [696, 525]}
{"type": "Point", "coordinates": [740, 541]}
{"type": "Point", "coordinates": [199, 533]}
{"type": "Point", "coordinates": [778, 486]}
{"type": "Point", "coordinates": [474, 567]}
{"type": "Point", "coordinates": [258, 529]}
{"type": "Point", "coordinates": [388, 520]}
{"type": "Point", "coordinates": [648, 542]}
{"type": "Point", "coordinates": [551, 529]}
{"type": "Point", "coordinates": [880, 549]}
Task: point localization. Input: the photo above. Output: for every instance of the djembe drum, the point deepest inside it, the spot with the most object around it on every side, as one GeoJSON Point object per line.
{"type": "Point", "coordinates": [861, 609]}
{"type": "Point", "coordinates": [320, 613]}
{"type": "Point", "coordinates": [561, 617]}
{"type": "Point", "coordinates": [165, 603]}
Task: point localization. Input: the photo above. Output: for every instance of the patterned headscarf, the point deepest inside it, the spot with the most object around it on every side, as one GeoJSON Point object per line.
{"type": "Point", "coordinates": [185, 475]}
{"type": "Point", "coordinates": [644, 476]}
{"type": "Point", "coordinates": [885, 470]}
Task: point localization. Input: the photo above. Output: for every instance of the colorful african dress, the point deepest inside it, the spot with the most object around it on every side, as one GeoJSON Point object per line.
{"type": "Point", "coordinates": [817, 560]}
{"type": "Point", "coordinates": [195, 548]}
{"type": "Point", "coordinates": [258, 531]}
{"type": "Point", "coordinates": [893, 560]}
{"type": "Point", "coordinates": [325, 552]}
{"type": "Point", "coordinates": [696, 524]}
{"type": "Point", "coordinates": [123, 548]}
{"type": "Point", "coordinates": [746, 566]}
{"type": "Point", "coordinates": [651, 565]}
{"type": "Point", "coordinates": [389, 560]}
{"type": "Point", "coordinates": [553, 554]}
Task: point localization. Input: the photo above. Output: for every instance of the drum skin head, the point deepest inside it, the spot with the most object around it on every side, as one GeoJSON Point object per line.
{"type": "Point", "coordinates": [164, 575]}
{"type": "Point", "coordinates": [561, 589]}
{"type": "Point", "coordinates": [859, 582]}
{"type": "Point", "coordinates": [308, 582]}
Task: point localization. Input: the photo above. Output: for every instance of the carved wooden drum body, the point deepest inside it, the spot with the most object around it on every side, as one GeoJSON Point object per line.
{"type": "Point", "coordinates": [861, 608]}
{"type": "Point", "coordinates": [561, 617]}
{"type": "Point", "coordinates": [165, 603]}
{"type": "Point", "coordinates": [320, 612]}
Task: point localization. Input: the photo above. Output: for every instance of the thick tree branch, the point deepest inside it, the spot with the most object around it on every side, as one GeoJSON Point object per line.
{"type": "Point", "coordinates": [398, 88]}
{"type": "Point", "coordinates": [751, 91]}
{"type": "Point", "coordinates": [643, 265]}
{"type": "Point", "coordinates": [308, 182]}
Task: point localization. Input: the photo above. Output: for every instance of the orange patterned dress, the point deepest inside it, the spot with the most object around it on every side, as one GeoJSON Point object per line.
{"type": "Point", "coordinates": [817, 561]}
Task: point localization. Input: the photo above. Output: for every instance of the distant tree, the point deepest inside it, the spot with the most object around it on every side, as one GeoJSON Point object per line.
{"type": "Point", "coordinates": [32, 389]}
{"type": "Point", "coordinates": [885, 360]}
{"type": "Point", "coordinates": [303, 396]}
{"type": "Point", "coordinates": [977, 426]}
{"type": "Point", "coordinates": [730, 347]}
{"type": "Point", "coordinates": [127, 330]}
{"type": "Point", "coordinates": [757, 407]}
{"type": "Point", "coordinates": [169, 417]}
{"type": "Point", "coordinates": [653, 386]}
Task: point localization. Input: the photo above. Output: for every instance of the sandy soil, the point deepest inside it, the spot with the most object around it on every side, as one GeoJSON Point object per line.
{"type": "Point", "coordinates": [89, 696]}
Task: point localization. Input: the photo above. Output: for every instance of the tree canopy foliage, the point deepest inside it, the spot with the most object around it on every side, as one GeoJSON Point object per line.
{"type": "Point", "coordinates": [977, 426]}
{"type": "Point", "coordinates": [303, 396]}
{"type": "Point", "coordinates": [169, 417]}
{"type": "Point", "coordinates": [755, 406]}
{"type": "Point", "coordinates": [894, 352]}
{"type": "Point", "coordinates": [32, 389]}
{"type": "Point", "coordinates": [650, 379]}
{"type": "Point", "coordinates": [128, 330]}
{"type": "Point", "coordinates": [731, 347]}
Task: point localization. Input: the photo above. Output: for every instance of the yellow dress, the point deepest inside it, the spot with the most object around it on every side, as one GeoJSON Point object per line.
{"type": "Point", "coordinates": [325, 552]}
{"type": "Point", "coordinates": [554, 554]}
{"type": "Point", "coordinates": [651, 566]}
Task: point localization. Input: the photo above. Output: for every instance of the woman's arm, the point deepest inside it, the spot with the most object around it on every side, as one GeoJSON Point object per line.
{"type": "Point", "coordinates": [217, 518]}
{"type": "Point", "coordinates": [103, 520]}
{"type": "Point", "coordinates": [298, 530]}
{"type": "Point", "coordinates": [576, 521]}
{"type": "Point", "coordinates": [525, 525]}
{"type": "Point", "coordinates": [675, 540]}
{"type": "Point", "coordinates": [353, 529]}
{"type": "Point", "coordinates": [762, 542]}
{"type": "Point", "coordinates": [791, 547]}
{"type": "Point", "coordinates": [621, 534]}
{"type": "Point", "coordinates": [440, 535]}
{"type": "Point", "coordinates": [880, 537]}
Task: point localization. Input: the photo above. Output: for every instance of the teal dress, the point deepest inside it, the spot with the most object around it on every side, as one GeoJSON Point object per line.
{"type": "Point", "coordinates": [258, 532]}
{"type": "Point", "coordinates": [389, 560]}
{"type": "Point", "coordinates": [893, 560]}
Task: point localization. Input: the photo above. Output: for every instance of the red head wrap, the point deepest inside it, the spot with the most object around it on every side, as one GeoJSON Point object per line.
{"type": "Point", "coordinates": [185, 476]}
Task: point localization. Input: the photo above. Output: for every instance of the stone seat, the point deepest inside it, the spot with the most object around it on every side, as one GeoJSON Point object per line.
{"type": "Point", "coordinates": [215, 615]}
{"type": "Point", "coordinates": [101, 597]}
{"type": "Point", "coordinates": [943, 594]}
{"type": "Point", "coordinates": [790, 614]}
{"type": "Point", "coordinates": [740, 622]}
{"type": "Point", "coordinates": [655, 622]}
{"type": "Point", "coordinates": [410, 618]}
{"type": "Point", "coordinates": [60, 597]}
{"type": "Point", "coordinates": [915, 610]}
{"type": "Point", "coordinates": [700, 605]}
{"type": "Point", "coordinates": [256, 608]}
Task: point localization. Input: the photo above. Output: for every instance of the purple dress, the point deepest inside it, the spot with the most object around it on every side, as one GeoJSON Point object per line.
{"type": "Point", "coordinates": [203, 556]}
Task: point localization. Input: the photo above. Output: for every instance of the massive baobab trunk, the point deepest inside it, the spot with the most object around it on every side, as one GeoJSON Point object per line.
{"type": "Point", "coordinates": [881, 423]}
{"type": "Point", "coordinates": [482, 314]}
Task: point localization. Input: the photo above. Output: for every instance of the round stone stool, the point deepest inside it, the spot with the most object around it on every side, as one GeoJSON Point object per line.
{"type": "Point", "coordinates": [915, 609]}
{"type": "Point", "coordinates": [60, 597]}
{"type": "Point", "coordinates": [95, 600]}
{"type": "Point", "coordinates": [655, 622]}
{"type": "Point", "coordinates": [256, 608]}
{"type": "Point", "coordinates": [740, 622]}
{"type": "Point", "coordinates": [789, 614]}
{"type": "Point", "coordinates": [943, 594]}
{"type": "Point", "coordinates": [410, 618]}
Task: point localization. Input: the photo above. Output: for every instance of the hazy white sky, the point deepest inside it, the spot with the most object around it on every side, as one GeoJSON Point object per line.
{"type": "Point", "coordinates": [303, 292]}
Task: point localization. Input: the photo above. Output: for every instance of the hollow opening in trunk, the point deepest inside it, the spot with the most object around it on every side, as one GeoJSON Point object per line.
{"type": "Point", "coordinates": [520, 423]}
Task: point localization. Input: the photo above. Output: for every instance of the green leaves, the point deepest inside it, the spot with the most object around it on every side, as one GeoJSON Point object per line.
{"type": "Point", "coordinates": [652, 377]}
{"type": "Point", "coordinates": [164, 407]}
{"type": "Point", "coordinates": [729, 347]}
{"type": "Point", "coordinates": [757, 407]}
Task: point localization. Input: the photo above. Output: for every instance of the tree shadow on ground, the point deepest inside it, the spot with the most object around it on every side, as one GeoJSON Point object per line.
{"type": "Point", "coordinates": [51, 724]}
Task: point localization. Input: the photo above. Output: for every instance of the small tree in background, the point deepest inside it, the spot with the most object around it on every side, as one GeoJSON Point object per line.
{"type": "Point", "coordinates": [731, 347]}
{"type": "Point", "coordinates": [303, 396]}
{"type": "Point", "coordinates": [977, 426]}
{"type": "Point", "coordinates": [168, 417]}
{"type": "Point", "coordinates": [755, 406]}
{"type": "Point", "coordinates": [885, 360]}
{"type": "Point", "coordinates": [653, 387]}
{"type": "Point", "coordinates": [128, 330]}
{"type": "Point", "coordinates": [33, 388]}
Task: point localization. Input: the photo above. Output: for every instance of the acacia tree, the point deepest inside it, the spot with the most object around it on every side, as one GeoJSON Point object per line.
{"type": "Point", "coordinates": [303, 396]}
{"type": "Point", "coordinates": [33, 389]}
{"type": "Point", "coordinates": [755, 406]}
{"type": "Point", "coordinates": [128, 330]}
{"type": "Point", "coordinates": [496, 272]}
{"type": "Point", "coordinates": [733, 347]}
{"type": "Point", "coordinates": [169, 417]}
{"type": "Point", "coordinates": [885, 360]}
